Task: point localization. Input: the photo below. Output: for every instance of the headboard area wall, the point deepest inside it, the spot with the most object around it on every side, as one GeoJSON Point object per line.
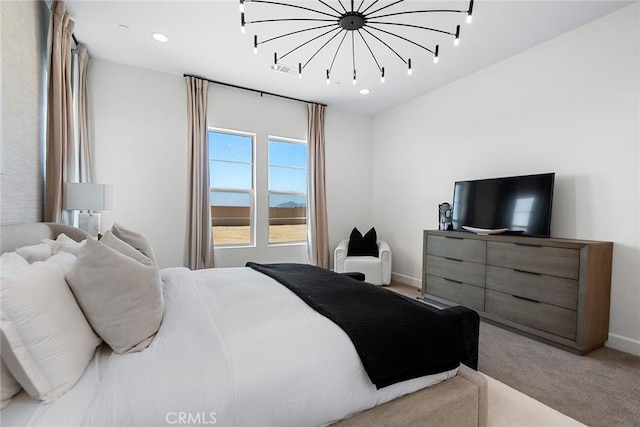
{"type": "Point", "coordinates": [23, 28]}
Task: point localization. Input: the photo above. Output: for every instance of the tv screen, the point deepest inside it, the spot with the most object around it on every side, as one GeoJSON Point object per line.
{"type": "Point", "coordinates": [521, 204]}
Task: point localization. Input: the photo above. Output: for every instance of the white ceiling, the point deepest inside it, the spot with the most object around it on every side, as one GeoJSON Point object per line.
{"type": "Point", "coordinates": [205, 40]}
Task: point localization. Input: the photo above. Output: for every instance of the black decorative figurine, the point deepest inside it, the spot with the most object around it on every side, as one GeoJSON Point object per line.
{"type": "Point", "coordinates": [444, 210]}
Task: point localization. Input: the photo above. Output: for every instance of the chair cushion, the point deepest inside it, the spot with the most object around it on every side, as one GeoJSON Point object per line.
{"type": "Point", "coordinates": [370, 266]}
{"type": "Point", "coordinates": [366, 245]}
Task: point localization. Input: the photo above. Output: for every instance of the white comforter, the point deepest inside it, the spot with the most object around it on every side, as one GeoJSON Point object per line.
{"type": "Point", "coordinates": [235, 348]}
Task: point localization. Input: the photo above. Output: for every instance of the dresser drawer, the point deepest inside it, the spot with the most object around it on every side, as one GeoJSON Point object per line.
{"type": "Point", "coordinates": [549, 260]}
{"type": "Point", "coordinates": [545, 317]}
{"type": "Point", "coordinates": [461, 293]}
{"type": "Point", "coordinates": [457, 248]}
{"type": "Point", "coordinates": [554, 290]}
{"type": "Point", "coordinates": [460, 271]}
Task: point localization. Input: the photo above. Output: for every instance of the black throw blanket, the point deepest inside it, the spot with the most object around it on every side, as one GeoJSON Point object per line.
{"type": "Point", "coordinates": [396, 337]}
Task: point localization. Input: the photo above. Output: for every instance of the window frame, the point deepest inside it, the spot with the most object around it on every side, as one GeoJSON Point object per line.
{"type": "Point", "coordinates": [294, 193]}
{"type": "Point", "coordinates": [251, 191]}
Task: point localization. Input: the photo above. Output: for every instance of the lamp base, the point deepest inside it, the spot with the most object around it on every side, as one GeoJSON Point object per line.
{"type": "Point", "coordinates": [89, 222]}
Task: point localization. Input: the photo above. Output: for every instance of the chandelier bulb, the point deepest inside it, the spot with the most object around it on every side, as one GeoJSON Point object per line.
{"type": "Point", "coordinates": [456, 42]}
{"type": "Point", "coordinates": [470, 12]}
{"type": "Point", "coordinates": [242, 29]}
{"type": "Point", "coordinates": [255, 44]}
{"type": "Point", "coordinates": [382, 75]}
{"type": "Point", "coordinates": [275, 61]}
{"type": "Point", "coordinates": [328, 79]}
{"type": "Point", "coordinates": [409, 70]}
{"type": "Point", "coordinates": [241, 5]}
{"type": "Point", "coordinates": [299, 70]}
{"type": "Point", "coordinates": [436, 58]}
{"type": "Point", "coordinates": [354, 77]}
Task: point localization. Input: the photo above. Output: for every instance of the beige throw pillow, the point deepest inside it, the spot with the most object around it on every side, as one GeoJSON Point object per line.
{"type": "Point", "coordinates": [46, 340]}
{"type": "Point", "coordinates": [120, 292]}
{"type": "Point", "coordinates": [137, 240]}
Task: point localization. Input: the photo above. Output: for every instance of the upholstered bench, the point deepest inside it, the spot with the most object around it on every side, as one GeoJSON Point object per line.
{"type": "Point", "coordinates": [460, 401]}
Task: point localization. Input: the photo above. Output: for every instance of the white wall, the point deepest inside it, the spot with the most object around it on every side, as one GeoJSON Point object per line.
{"type": "Point", "coordinates": [139, 137]}
{"type": "Point", "coordinates": [349, 171]}
{"type": "Point", "coordinates": [568, 106]}
{"type": "Point", "coordinates": [139, 124]}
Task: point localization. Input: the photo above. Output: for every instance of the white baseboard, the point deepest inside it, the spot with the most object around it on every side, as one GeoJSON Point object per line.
{"type": "Point", "coordinates": [625, 344]}
{"type": "Point", "coordinates": [407, 280]}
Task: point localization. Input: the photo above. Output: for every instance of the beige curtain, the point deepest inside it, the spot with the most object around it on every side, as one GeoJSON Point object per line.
{"type": "Point", "coordinates": [84, 142]}
{"type": "Point", "coordinates": [318, 231]}
{"type": "Point", "coordinates": [60, 153]}
{"type": "Point", "coordinates": [199, 227]}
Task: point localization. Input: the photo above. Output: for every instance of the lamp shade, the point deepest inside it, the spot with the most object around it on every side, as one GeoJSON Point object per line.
{"type": "Point", "coordinates": [87, 196]}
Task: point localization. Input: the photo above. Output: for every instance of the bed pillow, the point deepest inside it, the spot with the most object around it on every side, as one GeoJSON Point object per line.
{"type": "Point", "coordinates": [120, 292]}
{"type": "Point", "coordinates": [46, 340]}
{"type": "Point", "coordinates": [64, 243]}
{"type": "Point", "coordinates": [9, 387]}
{"type": "Point", "coordinates": [12, 261]}
{"type": "Point", "coordinates": [360, 245]}
{"type": "Point", "coordinates": [35, 253]}
{"type": "Point", "coordinates": [137, 240]}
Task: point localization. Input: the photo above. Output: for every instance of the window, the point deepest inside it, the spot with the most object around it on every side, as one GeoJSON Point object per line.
{"type": "Point", "coordinates": [287, 191]}
{"type": "Point", "coordinates": [522, 213]}
{"type": "Point", "coordinates": [231, 186]}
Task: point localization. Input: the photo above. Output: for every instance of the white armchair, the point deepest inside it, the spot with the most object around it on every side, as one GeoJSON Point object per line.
{"type": "Point", "coordinates": [377, 271]}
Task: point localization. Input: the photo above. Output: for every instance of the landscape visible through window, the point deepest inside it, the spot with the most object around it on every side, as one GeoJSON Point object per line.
{"type": "Point", "coordinates": [231, 165]}
{"type": "Point", "coordinates": [287, 191]}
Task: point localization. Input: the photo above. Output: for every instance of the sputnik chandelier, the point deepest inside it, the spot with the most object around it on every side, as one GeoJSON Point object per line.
{"type": "Point", "coordinates": [366, 25]}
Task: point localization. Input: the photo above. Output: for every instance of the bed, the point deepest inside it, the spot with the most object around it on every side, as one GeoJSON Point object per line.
{"type": "Point", "coordinates": [237, 348]}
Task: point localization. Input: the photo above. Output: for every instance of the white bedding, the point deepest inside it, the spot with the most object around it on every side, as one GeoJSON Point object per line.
{"type": "Point", "coordinates": [235, 348]}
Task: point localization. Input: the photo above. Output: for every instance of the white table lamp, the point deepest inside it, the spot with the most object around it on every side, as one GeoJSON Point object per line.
{"type": "Point", "coordinates": [88, 197]}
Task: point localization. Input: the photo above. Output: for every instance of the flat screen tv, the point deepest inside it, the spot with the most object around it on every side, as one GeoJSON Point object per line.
{"type": "Point", "coordinates": [521, 204]}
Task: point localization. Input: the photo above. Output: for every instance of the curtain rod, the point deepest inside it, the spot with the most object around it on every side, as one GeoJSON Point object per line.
{"type": "Point", "coordinates": [261, 92]}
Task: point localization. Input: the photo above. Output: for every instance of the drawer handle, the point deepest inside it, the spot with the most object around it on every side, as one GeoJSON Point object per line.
{"type": "Point", "coordinates": [451, 280]}
{"type": "Point", "coordinates": [453, 237]}
{"type": "Point", "coordinates": [527, 244]}
{"type": "Point", "coordinates": [526, 299]}
{"type": "Point", "coordinates": [453, 259]}
{"type": "Point", "coordinates": [527, 272]}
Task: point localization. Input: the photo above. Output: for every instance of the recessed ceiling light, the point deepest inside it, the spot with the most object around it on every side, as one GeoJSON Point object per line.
{"type": "Point", "coordinates": [160, 37]}
{"type": "Point", "coordinates": [364, 91]}
{"type": "Point", "coordinates": [123, 27]}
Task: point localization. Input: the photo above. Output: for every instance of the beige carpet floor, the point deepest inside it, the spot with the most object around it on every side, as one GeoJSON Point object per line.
{"type": "Point", "coordinates": [601, 388]}
{"type": "Point", "coordinates": [508, 407]}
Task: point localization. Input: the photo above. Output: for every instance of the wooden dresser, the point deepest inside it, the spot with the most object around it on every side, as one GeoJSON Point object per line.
{"type": "Point", "coordinates": [554, 290]}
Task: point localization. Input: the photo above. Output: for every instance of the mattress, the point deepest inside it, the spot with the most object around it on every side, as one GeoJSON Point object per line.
{"type": "Point", "coordinates": [235, 348]}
